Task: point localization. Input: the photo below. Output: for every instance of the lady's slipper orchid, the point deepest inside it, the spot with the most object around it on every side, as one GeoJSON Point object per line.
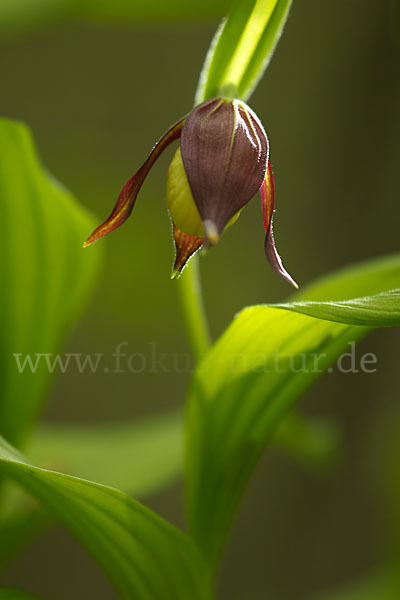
{"type": "Point", "coordinates": [222, 162]}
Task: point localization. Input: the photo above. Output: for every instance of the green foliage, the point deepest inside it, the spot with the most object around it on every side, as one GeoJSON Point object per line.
{"type": "Point", "coordinates": [381, 310]}
{"type": "Point", "coordinates": [142, 554]}
{"type": "Point", "coordinates": [45, 275]}
{"type": "Point", "coordinates": [152, 451]}
{"type": "Point", "coordinates": [242, 48]}
{"type": "Point", "coordinates": [257, 370]}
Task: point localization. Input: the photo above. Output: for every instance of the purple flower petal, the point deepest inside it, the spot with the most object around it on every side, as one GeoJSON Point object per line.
{"type": "Point", "coordinates": [267, 191]}
{"type": "Point", "coordinates": [127, 198]}
{"type": "Point", "coordinates": [225, 152]}
{"type": "Point", "coordinates": [185, 246]}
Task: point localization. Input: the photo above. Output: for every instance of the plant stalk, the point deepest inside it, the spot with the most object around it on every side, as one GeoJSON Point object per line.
{"type": "Point", "coordinates": [194, 315]}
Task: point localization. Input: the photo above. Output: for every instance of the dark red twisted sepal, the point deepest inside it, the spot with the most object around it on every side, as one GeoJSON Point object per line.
{"type": "Point", "coordinates": [127, 198]}
{"type": "Point", "coordinates": [267, 191]}
{"type": "Point", "coordinates": [225, 152]}
{"type": "Point", "coordinates": [185, 246]}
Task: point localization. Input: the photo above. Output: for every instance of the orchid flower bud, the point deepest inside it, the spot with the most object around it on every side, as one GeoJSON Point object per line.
{"type": "Point", "coordinates": [225, 153]}
{"type": "Point", "coordinates": [222, 162]}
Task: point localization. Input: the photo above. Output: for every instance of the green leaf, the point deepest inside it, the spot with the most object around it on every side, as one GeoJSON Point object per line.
{"type": "Point", "coordinates": [255, 372]}
{"type": "Point", "coordinates": [152, 450]}
{"type": "Point", "coordinates": [138, 457]}
{"type": "Point", "coordinates": [242, 48]}
{"type": "Point", "coordinates": [376, 275]}
{"type": "Point", "coordinates": [45, 275]}
{"type": "Point", "coordinates": [8, 594]}
{"type": "Point", "coordinates": [381, 310]}
{"type": "Point", "coordinates": [143, 555]}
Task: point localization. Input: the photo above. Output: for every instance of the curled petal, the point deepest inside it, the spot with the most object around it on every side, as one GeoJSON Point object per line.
{"type": "Point", "coordinates": [185, 246]}
{"type": "Point", "coordinates": [126, 199]}
{"type": "Point", "coordinates": [267, 191]}
{"type": "Point", "coordinates": [275, 260]}
{"type": "Point", "coordinates": [225, 152]}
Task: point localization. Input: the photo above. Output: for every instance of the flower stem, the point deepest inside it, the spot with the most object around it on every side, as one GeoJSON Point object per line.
{"type": "Point", "coordinates": [194, 315]}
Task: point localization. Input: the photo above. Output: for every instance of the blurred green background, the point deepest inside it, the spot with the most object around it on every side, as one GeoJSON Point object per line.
{"type": "Point", "coordinates": [97, 93]}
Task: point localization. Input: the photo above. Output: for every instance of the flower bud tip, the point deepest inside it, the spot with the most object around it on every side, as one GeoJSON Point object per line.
{"type": "Point", "coordinates": [211, 232]}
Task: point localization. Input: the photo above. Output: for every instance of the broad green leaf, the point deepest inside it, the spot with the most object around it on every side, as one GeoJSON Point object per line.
{"type": "Point", "coordinates": [254, 373]}
{"type": "Point", "coordinates": [353, 280]}
{"type": "Point", "coordinates": [242, 48]}
{"type": "Point", "coordinates": [152, 450]}
{"type": "Point", "coordinates": [381, 310]}
{"type": "Point", "coordinates": [138, 457]}
{"type": "Point", "coordinates": [143, 555]}
{"type": "Point", "coordinates": [45, 275]}
{"type": "Point", "coordinates": [9, 594]}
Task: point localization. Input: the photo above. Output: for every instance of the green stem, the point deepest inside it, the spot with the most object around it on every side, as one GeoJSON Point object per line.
{"type": "Point", "coordinates": [194, 315]}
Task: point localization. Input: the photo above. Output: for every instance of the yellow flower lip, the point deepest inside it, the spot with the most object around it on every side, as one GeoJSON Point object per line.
{"type": "Point", "coordinates": [181, 205]}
